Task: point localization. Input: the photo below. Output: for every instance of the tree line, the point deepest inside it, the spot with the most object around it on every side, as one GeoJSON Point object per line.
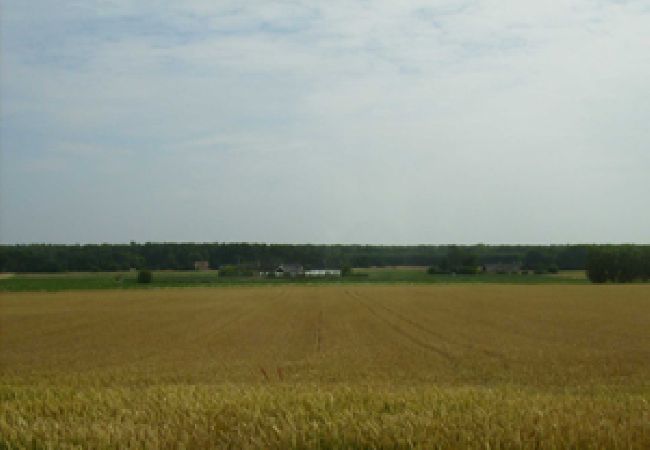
{"type": "Point", "coordinates": [619, 264]}
{"type": "Point", "coordinates": [181, 256]}
{"type": "Point", "coordinates": [461, 260]}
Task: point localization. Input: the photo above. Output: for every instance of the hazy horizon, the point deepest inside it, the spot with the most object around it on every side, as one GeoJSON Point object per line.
{"type": "Point", "coordinates": [381, 123]}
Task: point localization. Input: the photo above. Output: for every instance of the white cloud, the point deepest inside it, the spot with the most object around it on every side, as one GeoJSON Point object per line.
{"type": "Point", "coordinates": [417, 120]}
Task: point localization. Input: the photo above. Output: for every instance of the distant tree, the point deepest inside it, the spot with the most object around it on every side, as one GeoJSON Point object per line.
{"type": "Point", "coordinates": [552, 268]}
{"type": "Point", "coordinates": [169, 255]}
{"type": "Point", "coordinates": [145, 276]}
{"type": "Point", "coordinates": [597, 265]}
{"type": "Point", "coordinates": [458, 260]}
{"type": "Point", "coordinates": [619, 264]}
{"type": "Point", "coordinates": [630, 264]}
{"type": "Point", "coordinates": [645, 265]}
{"type": "Point", "coordinates": [535, 260]}
{"type": "Point", "coordinates": [572, 257]}
{"type": "Point", "coordinates": [455, 257]}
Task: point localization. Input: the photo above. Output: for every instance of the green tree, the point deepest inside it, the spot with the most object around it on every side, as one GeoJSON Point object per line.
{"type": "Point", "coordinates": [145, 276]}
{"type": "Point", "coordinates": [598, 261]}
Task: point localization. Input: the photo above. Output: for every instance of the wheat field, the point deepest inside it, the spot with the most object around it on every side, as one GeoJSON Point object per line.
{"type": "Point", "coordinates": [347, 366]}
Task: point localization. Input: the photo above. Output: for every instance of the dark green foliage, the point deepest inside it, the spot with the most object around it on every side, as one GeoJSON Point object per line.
{"type": "Point", "coordinates": [571, 257]}
{"type": "Point", "coordinates": [459, 260]}
{"type": "Point", "coordinates": [346, 270]}
{"type": "Point", "coordinates": [597, 265]}
{"type": "Point", "coordinates": [537, 261]}
{"type": "Point", "coordinates": [181, 256]}
{"type": "Point", "coordinates": [618, 264]}
{"type": "Point", "coordinates": [552, 268]}
{"type": "Point", "coordinates": [145, 276]}
{"type": "Point", "coordinates": [544, 260]}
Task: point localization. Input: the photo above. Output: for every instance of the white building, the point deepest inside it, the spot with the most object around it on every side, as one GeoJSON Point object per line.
{"type": "Point", "coordinates": [323, 273]}
{"type": "Point", "coordinates": [296, 270]}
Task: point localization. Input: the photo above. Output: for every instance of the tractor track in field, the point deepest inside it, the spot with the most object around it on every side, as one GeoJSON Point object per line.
{"type": "Point", "coordinates": [405, 334]}
{"type": "Point", "coordinates": [439, 336]}
{"type": "Point", "coordinates": [430, 332]}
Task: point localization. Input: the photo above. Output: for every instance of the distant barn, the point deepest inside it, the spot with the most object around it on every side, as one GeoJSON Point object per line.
{"type": "Point", "coordinates": [289, 270]}
{"type": "Point", "coordinates": [201, 265]}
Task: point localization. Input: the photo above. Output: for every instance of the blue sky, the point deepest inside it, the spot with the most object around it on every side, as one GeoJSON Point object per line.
{"type": "Point", "coordinates": [368, 122]}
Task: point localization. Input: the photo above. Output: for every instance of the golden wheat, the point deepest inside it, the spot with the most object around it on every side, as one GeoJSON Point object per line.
{"type": "Point", "coordinates": [452, 366]}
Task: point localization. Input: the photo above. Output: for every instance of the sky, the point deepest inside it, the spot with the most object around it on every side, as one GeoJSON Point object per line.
{"type": "Point", "coordinates": [379, 122]}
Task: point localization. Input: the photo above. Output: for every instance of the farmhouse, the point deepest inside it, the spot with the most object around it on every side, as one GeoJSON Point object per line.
{"type": "Point", "coordinates": [297, 270]}
{"type": "Point", "coordinates": [289, 270]}
{"type": "Point", "coordinates": [201, 265]}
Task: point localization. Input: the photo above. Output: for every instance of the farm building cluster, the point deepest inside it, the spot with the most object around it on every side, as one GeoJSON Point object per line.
{"type": "Point", "coordinates": [283, 270]}
{"type": "Point", "coordinates": [297, 270]}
